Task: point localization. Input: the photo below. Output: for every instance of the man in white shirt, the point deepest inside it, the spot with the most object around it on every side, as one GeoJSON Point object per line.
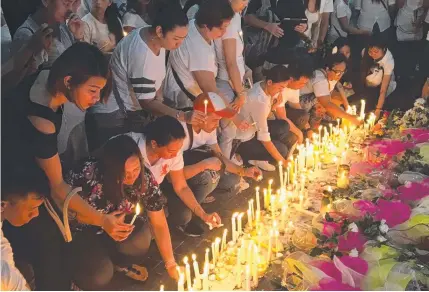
{"type": "Point", "coordinates": [203, 161]}
{"type": "Point", "coordinates": [192, 68]}
{"type": "Point", "coordinates": [161, 149]}
{"type": "Point", "coordinates": [21, 197]}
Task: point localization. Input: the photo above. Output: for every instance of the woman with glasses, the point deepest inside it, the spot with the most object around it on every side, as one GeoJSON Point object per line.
{"type": "Point", "coordinates": [316, 96]}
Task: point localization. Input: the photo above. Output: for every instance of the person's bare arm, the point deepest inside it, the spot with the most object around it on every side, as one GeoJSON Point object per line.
{"type": "Point", "coordinates": [272, 150]}
{"type": "Point", "coordinates": [273, 28]}
{"type": "Point", "coordinates": [345, 26]}
{"type": "Point", "coordinates": [230, 53]}
{"type": "Point", "coordinates": [311, 6]}
{"type": "Point", "coordinates": [382, 97]}
{"type": "Point", "coordinates": [207, 82]}
{"type": "Point", "coordinates": [162, 236]}
{"type": "Point", "coordinates": [342, 92]}
{"type": "Point", "coordinates": [335, 110]}
{"type": "Point", "coordinates": [189, 171]}
{"type": "Point", "coordinates": [324, 24]}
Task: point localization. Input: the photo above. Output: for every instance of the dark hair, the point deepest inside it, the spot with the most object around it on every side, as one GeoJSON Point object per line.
{"type": "Point", "coordinates": [334, 59]}
{"type": "Point", "coordinates": [113, 23]}
{"type": "Point", "coordinates": [17, 184]}
{"type": "Point", "coordinates": [164, 130]}
{"type": "Point", "coordinates": [367, 62]}
{"type": "Point", "coordinates": [318, 3]}
{"type": "Point", "coordinates": [112, 166]}
{"type": "Point", "coordinates": [301, 65]}
{"type": "Point", "coordinates": [377, 41]}
{"type": "Point", "coordinates": [340, 43]}
{"type": "Point", "coordinates": [212, 13]}
{"type": "Point", "coordinates": [80, 61]}
{"type": "Point", "coordinates": [278, 73]}
{"type": "Point", "coordinates": [168, 17]}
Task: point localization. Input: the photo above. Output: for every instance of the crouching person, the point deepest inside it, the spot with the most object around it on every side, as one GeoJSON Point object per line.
{"type": "Point", "coordinates": [117, 183]}
{"type": "Point", "coordinates": [204, 162]}
{"type": "Point", "coordinates": [161, 148]}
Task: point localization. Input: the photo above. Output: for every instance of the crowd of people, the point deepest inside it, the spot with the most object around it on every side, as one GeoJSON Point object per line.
{"type": "Point", "coordinates": [114, 106]}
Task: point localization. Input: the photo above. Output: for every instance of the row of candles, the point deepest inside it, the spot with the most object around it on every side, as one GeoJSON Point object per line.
{"type": "Point", "coordinates": [252, 245]}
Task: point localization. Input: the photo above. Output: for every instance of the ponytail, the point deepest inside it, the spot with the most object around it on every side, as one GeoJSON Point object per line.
{"type": "Point", "coordinates": [113, 23]}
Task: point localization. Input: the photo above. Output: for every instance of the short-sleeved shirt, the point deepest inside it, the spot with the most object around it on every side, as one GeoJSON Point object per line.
{"type": "Point", "coordinates": [388, 63]}
{"type": "Point", "coordinates": [137, 73]}
{"type": "Point", "coordinates": [233, 31]}
{"type": "Point", "coordinates": [59, 44]}
{"type": "Point", "coordinates": [288, 95]}
{"type": "Point", "coordinates": [326, 6]}
{"type": "Point", "coordinates": [199, 139]}
{"type": "Point", "coordinates": [97, 34]}
{"type": "Point", "coordinates": [132, 19]}
{"type": "Point", "coordinates": [372, 12]}
{"type": "Point", "coordinates": [89, 177]}
{"type": "Point", "coordinates": [163, 166]}
{"type": "Point", "coordinates": [256, 111]}
{"type": "Point", "coordinates": [341, 10]}
{"type": "Point", "coordinates": [319, 85]}
{"type": "Point", "coordinates": [195, 54]}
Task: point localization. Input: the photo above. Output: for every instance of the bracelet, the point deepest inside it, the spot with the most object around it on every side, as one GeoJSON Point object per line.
{"type": "Point", "coordinates": [170, 264]}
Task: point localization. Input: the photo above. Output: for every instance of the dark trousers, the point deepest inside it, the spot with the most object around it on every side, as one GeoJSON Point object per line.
{"type": "Point", "coordinates": [299, 117]}
{"type": "Point", "coordinates": [202, 185]}
{"type": "Point", "coordinates": [92, 257]}
{"type": "Point", "coordinates": [280, 136]}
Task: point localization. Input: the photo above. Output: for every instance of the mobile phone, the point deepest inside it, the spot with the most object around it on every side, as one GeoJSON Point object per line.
{"type": "Point", "coordinates": [248, 84]}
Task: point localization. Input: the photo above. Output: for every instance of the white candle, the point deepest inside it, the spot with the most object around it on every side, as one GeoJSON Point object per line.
{"type": "Point", "coordinates": [234, 229]}
{"type": "Point", "coordinates": [281, 173]}
{"type": "Point", "coordinates": [266, 200]}
{"type": "Point", "coordinates": [137, 213]}
{"type": "Point", "coordinates": [238, 268]}
{"type": "Point", "coordinates": [240, 229]}
{"type": "Point", "coordinates": [225, 232]}
{"type": "Point", "coordinates": [277, 241]}
{"type": "Point", "coordinates": [283, 215]}
{"type": "Point", "coordinates": [272, 205]}
{"type": "Point", "coordinates": [270, 182]}
{"type": "Point", "coordinates": [196, 267]}
{"type": "Point", "coordinates": [258, 202]}
{"type": "Point", "coordinates": [206, 102]}
{"type": "Point", "coordinates": [181, 283]}
{"type": "Point", "coordinates": [214, 253]}
{"type": "Point", "coordinates": [161, 288]}
{"type": "Point", "coordinates": [320, 135]}
{"type": "Point", "coordinates": [188, 273]}
{"type": "Point", "coordinates": [362, 109]}
{"type": "Point", "coordinates": [249, 253]}
{"type": "Point", "coordinates": [249, 218]}
{"type": "Point", "coordinates": [255, 266]}
{"type": "Point", "coordinates": [207, 261]}
{"type": "Point", "coordinates": [206, 277]}
{"type": "Point", "coordinates": [217, 247]}
{"type": "Point", "coordinates": [252, 208]}
{"type": "Point", "coordinates": [247, 281]}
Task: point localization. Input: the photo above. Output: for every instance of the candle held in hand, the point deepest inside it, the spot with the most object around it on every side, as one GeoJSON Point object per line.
{"type": "Point", "coordinates": [137, 213]}
{"type": "Point", "coordinates": [206, 102]}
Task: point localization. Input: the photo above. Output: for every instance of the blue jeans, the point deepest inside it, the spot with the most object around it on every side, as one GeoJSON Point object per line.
{"type": "Point", "coordinates": [202, 185]}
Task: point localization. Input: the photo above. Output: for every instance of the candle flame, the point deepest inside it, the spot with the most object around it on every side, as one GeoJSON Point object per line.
{"type": "Point", "coordinates": [257, 189]}
{"type": "Point", "coordinates": [218, 240]}
{"type": "Point", "coordinates": [270, 181]}
{"type": "Point", "coordinates": [225, 232]}
{"type": "Point", "coordinates": [194, 257]}
{"type": "Point", "coordinates": [280, 163]}
{"type": "Point", "coordinates": [207, 250]}
{"type": "Point", "coordinates": [185, 260]}
{"type": "Point", "coordinates": [206, 102]}
{"type": "Point", "coordinates": [138, 209]}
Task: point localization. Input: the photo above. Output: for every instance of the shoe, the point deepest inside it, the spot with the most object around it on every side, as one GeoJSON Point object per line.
{"type": "Point", "coordinates": [236, 159]}
{"type": "Point", "coordinates": [192, 229]}
{"type": "Point", "coordinates": [242, 186]}
{"type": "Point", "coordinates": [264, 165]}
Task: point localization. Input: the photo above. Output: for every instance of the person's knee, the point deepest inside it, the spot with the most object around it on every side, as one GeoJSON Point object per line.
{"type": "Point", "coordinates": [95, 278]}
{"type": "Point", "coordinates": [303, 119]}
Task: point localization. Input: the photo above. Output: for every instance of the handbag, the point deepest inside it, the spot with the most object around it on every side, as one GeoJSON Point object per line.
{"type": "Point", "coordinates": [375, 76]}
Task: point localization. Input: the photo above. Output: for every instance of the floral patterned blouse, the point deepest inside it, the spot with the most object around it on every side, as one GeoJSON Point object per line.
{"type": "Point", "coordinates": [90, 179]}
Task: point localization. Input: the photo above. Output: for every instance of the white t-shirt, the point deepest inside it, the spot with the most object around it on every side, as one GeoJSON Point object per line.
{"type": "Point", "coordinates": [133, 20]}
{"type": "Point", "coordinates": [372, 12]}
{"type": "Point", "coordinates": [232, 32]}
{"type": "Point", "coordinates": [137, 72]}
{"type": "Point", "coordinates": [326, 6]}
{"type": "Point", "coordinates": [26, 31]}
{"type": "Point", "coordinates": [405, 19]}
{"type": "Point", "coordinates": [289, 95]}
{"type": "Point", "coordinates": [163, 166]}
{"type": "Point", "coordinates": [11, 277]}
{"type": "Point", "coordinates": [388, 63]}
{"type": "Point", "coordinates": [195, 54]}
{"type": "Point", "coordinates": [199, 139]}
{"type": "Point", "coordinates": [97, 34]}
{"type": "Point", "coordinates": [256, 110]}
{"type": "Point", "coordinates": [319, 85]}
{"type": "Point", "coordinates": [341, 10]}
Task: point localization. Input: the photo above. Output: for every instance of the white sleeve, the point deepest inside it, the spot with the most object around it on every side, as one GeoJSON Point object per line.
{"type": "Point", "coordinates": [258, 114]}
{"type": "Point", "coordinates": [177, 163]}
{"type": "Point", "coordinates": [320, 85]}
{"type": "Point", "coordinates": [328, 7]}
{"type": "Point", "coordinates": [212, 139]}
{"type": "Point", "coordinates": [141, 77]}
{"type": "Point", "coordinates": [87, 32]}
{"type": "Point", "coordinates": [11, 278]}
{"type": "Point", "coordinates": [341, 11]}
{"type": "Point", "coordinates": [199, 60]}
{"type": "Point", "coordinates": [389, 66]}
{"type": "Point", "coordinates": [231, 31]}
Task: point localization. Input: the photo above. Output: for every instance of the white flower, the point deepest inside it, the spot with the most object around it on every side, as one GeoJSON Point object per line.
{"type": "Point", "coordinates": [383, 227]}
{"type": "Point", "coordinates": [353, 227]}
{"type": "Point", "coordinates": [381, 238]}
{"type": "Point", "coordinates": [354, 253]}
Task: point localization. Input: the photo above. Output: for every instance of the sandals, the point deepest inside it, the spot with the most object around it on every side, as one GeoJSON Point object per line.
{"type": "Point", "coordinates": [135, 272]}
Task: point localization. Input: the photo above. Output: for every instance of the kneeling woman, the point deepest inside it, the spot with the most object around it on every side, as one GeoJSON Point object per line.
{"type": "Point", "coordinates": [115, 184]}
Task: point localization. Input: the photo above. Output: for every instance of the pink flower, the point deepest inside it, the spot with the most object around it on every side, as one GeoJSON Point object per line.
{"type": "Point", "coordinates": [366, 207]}
{"type": "Point", "coordinates": [351, 240]}
{"type": "Point", "coordinates": [390, 147]}
{"type": "Point", "coordinates": [413, 192]}
{"type": "Point", "coordinates": [419, 135]}
{"type": "Point", "coordinates": [394, 212]}
{"type": "Point", "coordinates": [327, 284]}
{"type": "Point", "coordinates": [356, 264]}
{"type": "Point", "coordinates": [329, 228]}
{"type": "Point", "coordinates": [328, 268]}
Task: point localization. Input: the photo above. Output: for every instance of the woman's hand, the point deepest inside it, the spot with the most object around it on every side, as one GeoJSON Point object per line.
{"type": "Point", "coordinates": [253, 172]}
{"type": "Point", "coordinates": [239, 101]}
{"type": "Point", "coordinates": [76, 26]}
{"type": "Point", "coordinates": [113, 224]}
{"type": "Point", "coordinates": [173, 273]}
{"type": "Point", "coordinates": [301, 28]}
{"type": "Point", "coordinates": [274, 29]}
{"type": "Point", "coordinates": [195, 117]}
{"type": "Point", "coordinates": [240, 122]}
{"type": "Point", "coordinates": [212, 219]}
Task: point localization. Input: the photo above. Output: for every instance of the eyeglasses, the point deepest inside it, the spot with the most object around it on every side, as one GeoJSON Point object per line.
{"type": "Point", "coordinates": [338, 72]}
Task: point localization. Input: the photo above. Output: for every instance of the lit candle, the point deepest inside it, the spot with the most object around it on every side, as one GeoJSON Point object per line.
{"type": "Point", "coordinates": [283, 215]}
{"type": "Point", "coordinates": [188, 273]}
{"type": "Point", "coordinates": [249, 218]}
{"type": "Point", "coordinates": [362, 109]}
{"type": "Point", "coordinates": [266, 200]}
{"type": "Point", "coordinates": [214, 253]}
{"type": "Point", "coordinates": [330, 129]}
{"type": "Point", "coordinates": [272, 203]}
{"type": "Point", "coordinates": [247, 281]}
{"type": "Point", "coordinates": [225, 232]}
{"type": "Point", "coordinates": [252, 208]}
{"type": "Point", "coordinates": [181, 283]}
{"type": "Point", "coordinates": [287, 175]}
{"type": "Point", "coordinates": [217, 247]}
{"type": "Point", "coordinates": [258, 203]}
{"type": "Point", "coordinates": [238, 268]}
{"type": "Point", "coordinates": [234, 229]}
{"type": "Point", "coordinates": [281, 173]}
{"type": "Point", "coordinates": [196, 267]}
{"type": "Point", "coordinates": [320, 135]}
{"type": "Point", "coordinates": [206, 102]}
{"type": "Point", "coordinates": [137, 213]}
{"type": "Point", "coordinates": [240, 229]}
{"type": "Point", "coordinates": [270, 182]}
{"type": "Point", "coordinates": [161, 288]}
